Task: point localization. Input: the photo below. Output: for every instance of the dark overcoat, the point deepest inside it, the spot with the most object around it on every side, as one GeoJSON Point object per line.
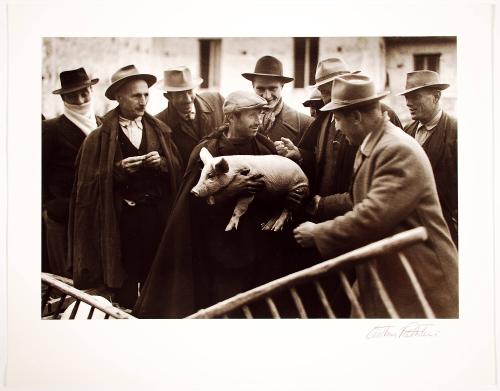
{"type": "Point", "coordinates": [441, 148]}
{"type": "Point", "coordinates": [176, 286]}
{"type": "Point", "coordinates": [61, 140]}
{"type": "Point", "coordinates": [93, 231]}
{"type": "Point", "coordinates": [290, 123]}
{"type": "Point", "coordinates": [209, 116]}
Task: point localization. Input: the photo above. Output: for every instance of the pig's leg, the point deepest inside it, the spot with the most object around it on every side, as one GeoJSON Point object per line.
{"type": "Point", "coordinates": [278, 224]}
{"type": "Point", "coordinates": [239, 210]}
{"type": "Point", "coordinates": [267, 226]}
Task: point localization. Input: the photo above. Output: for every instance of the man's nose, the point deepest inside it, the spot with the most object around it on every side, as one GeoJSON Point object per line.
{"type": "Point", "coordinates": [267, 95]}
{"type": "Point", "coordinates": [81, 99]}
{"type": "Point", "coordinates": [187, 98]}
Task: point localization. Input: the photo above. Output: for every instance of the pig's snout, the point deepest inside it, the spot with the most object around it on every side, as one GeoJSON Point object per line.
{"type": "Point", "coordinates": [195, 192]}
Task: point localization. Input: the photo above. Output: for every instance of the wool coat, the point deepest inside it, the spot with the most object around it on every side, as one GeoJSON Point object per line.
{"type": "Point", "coordinates": [290, 123]}
{"type": "Point", "coordinates": [209, 116]}
{"type": "Point", "coordinates": [441, 148]}
{"type": "Point", "coordinates": [61, 140]}
{"type": "Point", "coordinates": [93, 232]}
{"type": "Point", "coordinates": [394, 191]}
{"type": "Point", "coordinates": [312, 148]}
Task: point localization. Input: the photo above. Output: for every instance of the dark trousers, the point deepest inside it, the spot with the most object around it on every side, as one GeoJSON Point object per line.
{"type": "Point", "coordinates": [141, 227]}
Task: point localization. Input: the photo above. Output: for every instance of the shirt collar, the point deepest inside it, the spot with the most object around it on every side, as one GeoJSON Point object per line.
{"type": "Point", "coordinates": [434, 121]}
{"type": "Point", "coordinates": [125, 122]}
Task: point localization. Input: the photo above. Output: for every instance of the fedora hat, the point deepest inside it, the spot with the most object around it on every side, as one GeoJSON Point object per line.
{"type": "Point", "coordinates": [268, 66]}
{"type": "Point", "coordinates": [125, 74]}
{"type": "Point", "coordinates": [178, 79]}
{"type": "Point", "coordinates": [74, 80]}
{"type": "Point", "coordinates": [423, 79]}
{"type": "Point", "coordinates": [353, 90]}
{"type": "Point", "coordinates": [329, 69]}
{"type": "Point", "coordinates": [315, 97]}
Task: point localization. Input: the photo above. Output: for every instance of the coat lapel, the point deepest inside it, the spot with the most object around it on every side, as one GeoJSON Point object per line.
{"type": "Point", "coordinates": [434, 145]}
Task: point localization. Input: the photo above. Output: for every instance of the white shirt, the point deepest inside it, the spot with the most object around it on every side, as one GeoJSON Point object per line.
{"type": "Point", "coordinates": [132, 129]}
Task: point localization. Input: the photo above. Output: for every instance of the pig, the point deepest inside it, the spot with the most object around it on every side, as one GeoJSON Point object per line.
{"type": "Point", "coordinates": [280, 174]}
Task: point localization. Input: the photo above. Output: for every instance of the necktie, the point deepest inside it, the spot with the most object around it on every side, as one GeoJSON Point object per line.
{"type": "Point", "coordinates": [421, 134]}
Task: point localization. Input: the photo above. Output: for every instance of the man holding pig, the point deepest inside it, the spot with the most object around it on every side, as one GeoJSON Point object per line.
{"type": "Point", "coordinates": [127, 175]}
{"type": "Point", "coordinates": [198, 263]}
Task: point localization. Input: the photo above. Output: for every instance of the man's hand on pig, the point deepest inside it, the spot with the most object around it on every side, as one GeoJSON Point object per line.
{"type": "Point", "coordinates": [287, 148]}
{"type": "Point", "coordinates": [131, 164]}
{"type": "Point", "coordinates": [152, 159]}
{"type": "Point", "coordinates": [245, 185]}
{"type": "Point", "coordinates": [303, 234]}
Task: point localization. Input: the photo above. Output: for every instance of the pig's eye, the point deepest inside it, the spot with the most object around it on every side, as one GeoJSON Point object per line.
{"type": "Point", "coordinates": [210, 175]}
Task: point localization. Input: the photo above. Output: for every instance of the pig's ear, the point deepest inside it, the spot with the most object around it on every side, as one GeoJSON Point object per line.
{"type": "Point", "coordinates": [221, 167]}
{"type": "Point", "coordinates": [205, 156]}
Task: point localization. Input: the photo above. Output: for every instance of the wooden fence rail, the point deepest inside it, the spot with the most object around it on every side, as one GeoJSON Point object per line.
{"type": "Point", "coordinates": [394, 244]}
{"type": "Point", "coordinates": [64, 289]}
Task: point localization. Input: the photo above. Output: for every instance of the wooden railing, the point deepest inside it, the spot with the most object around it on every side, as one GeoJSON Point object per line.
{"type": "Point", "coordinates": [240, 304]}
{"type": "Point", "coordinates": [63, 290]}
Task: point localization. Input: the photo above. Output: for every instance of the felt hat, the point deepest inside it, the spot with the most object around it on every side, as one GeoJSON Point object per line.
{"type": "Point", "coordinates": [352, 90]}
{"type": "Point", "coordinates": [314, 99]}
{"type": "Point", "coordinates": [124, 75]}
{"type": "Point", "coordinates": [423, 79]}
{"type": "Point", "coordinates": [178, 79]}
{"type": "Point", "coordinates": [268, 66]}
{"type": "Point", "coordinates": [74, 80]}
{"type": "Point", "coordinates": [242, 100]}
{"type": "Point", "coordinates": [329, 69]}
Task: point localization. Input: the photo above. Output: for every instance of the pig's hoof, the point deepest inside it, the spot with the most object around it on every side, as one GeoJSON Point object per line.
{"type": "Point", "coordinates": [278, 226]}
{"type": "Point", "coordinates": [233, 223]}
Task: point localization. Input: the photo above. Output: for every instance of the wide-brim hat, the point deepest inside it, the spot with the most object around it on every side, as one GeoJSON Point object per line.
{"type": "Point", "coordinates": [327, 70]}
{"type": "Point", "coordinates": [351, 91]}
{"type": "Point", "coordinates": [423, 79]}
{"type": "Point", "coordinates": [178, 79]}
{"type": "Point", "coordinates": [242, 100]}
{"type": "Point", "coordinates": [268, 66]}
{"type": "Point", "coordinates": [124, 75]}
{"type": "Point", "coordinates": [313, 99]}
{"type": "Point", "coordinates": [74, 80]}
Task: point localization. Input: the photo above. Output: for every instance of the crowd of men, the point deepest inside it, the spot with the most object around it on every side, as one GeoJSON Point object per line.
{"type": "Point", "coordinates": [119, 216]}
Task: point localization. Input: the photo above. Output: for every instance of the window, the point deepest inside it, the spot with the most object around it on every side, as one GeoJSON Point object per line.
{"type": "Point", "coordinates": [426, 61]}
{"type": "Point", "coordinates": [305, 56]}
{"type": "Point", "coordinates": [210, 52]}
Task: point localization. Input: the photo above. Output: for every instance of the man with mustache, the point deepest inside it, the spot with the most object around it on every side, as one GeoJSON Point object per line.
{"type": "Point", "coordinates": [279, 119]}
{"type": "Point", "coordinates": [127, 174]}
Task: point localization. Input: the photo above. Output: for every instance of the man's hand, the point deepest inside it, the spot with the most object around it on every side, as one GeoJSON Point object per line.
{"type": "Point", "coordinates": [131, 164]}
{"type": "Point", "coordinates": [287, 148]}
{"type": "Point", "coordinates": [243, 185]}
{"type": "Point", "coordinates": [303, 234]}
{"type": "Point", "coordinates": [152, 159]}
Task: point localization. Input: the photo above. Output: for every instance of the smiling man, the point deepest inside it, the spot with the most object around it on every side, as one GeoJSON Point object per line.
{"type": "Point", "coordinates": [393, 190]}
{"type": "Point", "coordinates": [436, 132]}
{"type": "Point", "coordinates": [208, 264]}
{"type": "Point", "coordinates": [190, 114]}
{"type": "Point", "coordinates": [127, 177]}
{"type": "Point", "coordinates": [279, 120]}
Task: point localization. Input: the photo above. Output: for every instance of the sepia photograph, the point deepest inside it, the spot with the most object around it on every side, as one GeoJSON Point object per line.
{"type": "Point", "coordinates": [266, 196]}
{"type": "Point", "coordinates": [249, 177]}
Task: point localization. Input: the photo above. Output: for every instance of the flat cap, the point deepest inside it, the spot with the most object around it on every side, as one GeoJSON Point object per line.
{"type": "Point", "coordinates": [242, 100]}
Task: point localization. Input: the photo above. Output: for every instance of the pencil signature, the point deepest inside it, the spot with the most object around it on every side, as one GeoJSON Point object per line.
{"type": "Point", "coordinates": [411, 330]}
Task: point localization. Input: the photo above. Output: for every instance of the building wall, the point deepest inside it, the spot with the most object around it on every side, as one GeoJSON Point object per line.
{"type": "Point", "coordinates": [101, 57]}
{"type": "Point", "coordinates": [399, 59]}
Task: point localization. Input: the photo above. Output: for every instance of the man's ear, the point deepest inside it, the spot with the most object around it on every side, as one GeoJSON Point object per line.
{"type": "Point", "coordinates": [244, 171]}
{"type": "Point", "coordinates": [205, 156]}
{"type": "Point", "coordinates": [222, 166]}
